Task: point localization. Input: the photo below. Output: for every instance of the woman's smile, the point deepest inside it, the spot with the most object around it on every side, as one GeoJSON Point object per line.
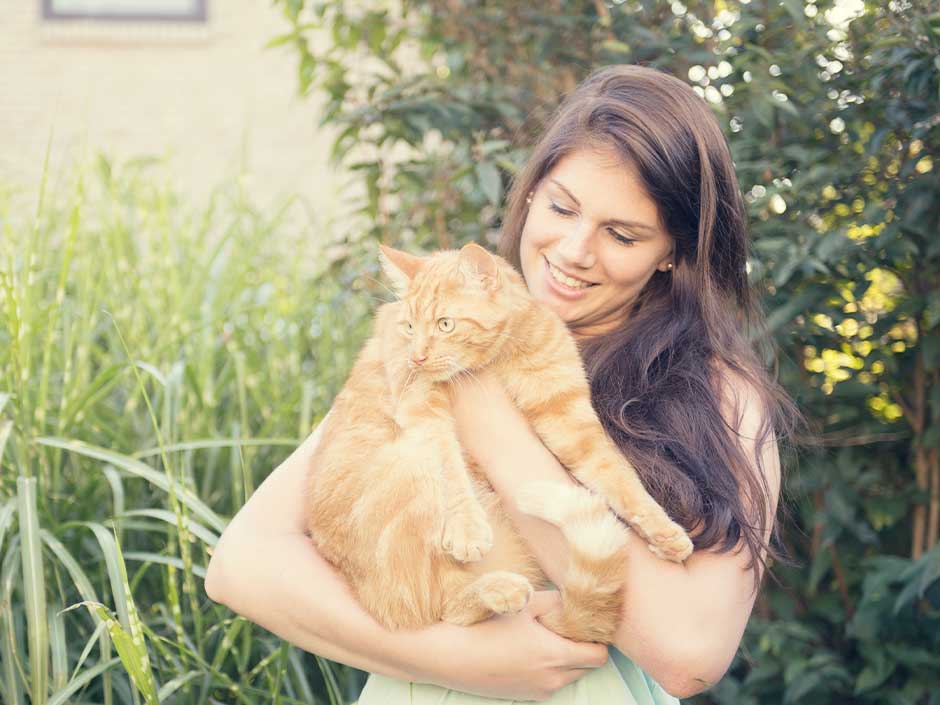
{"type": "Point", "coordinates": [565, 285]}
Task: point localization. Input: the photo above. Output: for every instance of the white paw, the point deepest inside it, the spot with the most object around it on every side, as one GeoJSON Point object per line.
{"type": "Point", "coordinates": [503, 592]}
{"type": "Point", "coordinates": [551, 501]}
{"type": "Point", "coordinates": [467, 535]}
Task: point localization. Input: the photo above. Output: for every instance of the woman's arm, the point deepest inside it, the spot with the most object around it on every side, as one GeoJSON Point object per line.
{"type": "Point", "coordinates": [266, 569]}
{"type": "Point", "coordinates": [681, 623]}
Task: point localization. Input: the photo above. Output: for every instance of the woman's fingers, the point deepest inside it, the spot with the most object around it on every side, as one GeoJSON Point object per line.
{"type": "Point", "coordinates": [575, 655]}
{"type": "Point", "coordinates": [583, 655]}
{"type": "Point", "coordinates": [543, 602]}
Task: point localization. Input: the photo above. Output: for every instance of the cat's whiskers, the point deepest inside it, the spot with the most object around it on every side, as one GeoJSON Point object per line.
{"type": "Point", "coordinates": [391, 291]}
{"type": "Point", "coordinates": [408, 380]}
{"type": "Point", "coordinates": [469, 374]}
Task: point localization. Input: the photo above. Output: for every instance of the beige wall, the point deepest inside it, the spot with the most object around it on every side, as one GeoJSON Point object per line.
{"type": "Point", "coordinates": [197, 92]}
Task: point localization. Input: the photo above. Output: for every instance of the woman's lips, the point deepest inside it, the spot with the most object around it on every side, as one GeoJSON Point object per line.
{"type": "Point", "coordinates": [563, 290]}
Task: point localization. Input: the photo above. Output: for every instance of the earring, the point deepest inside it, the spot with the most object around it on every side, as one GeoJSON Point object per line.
{"type": "Point", "coordinates": [669, 266]}
{"type": "Point", "coordinates": [528, 199]}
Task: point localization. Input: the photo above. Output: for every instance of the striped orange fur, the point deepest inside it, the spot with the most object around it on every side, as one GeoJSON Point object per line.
{"type": "Point", "coordinates": [395, 505]}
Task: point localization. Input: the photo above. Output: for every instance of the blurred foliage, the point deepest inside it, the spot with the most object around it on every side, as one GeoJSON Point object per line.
{"type": "Point", "coordinates": [156, 361]}
{"type": "Point", "coordinates": [832, 110]}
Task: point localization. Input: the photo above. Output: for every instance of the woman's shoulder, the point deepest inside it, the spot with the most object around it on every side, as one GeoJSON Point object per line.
{"type": "Point", "coordinates": [745, 408]}
{"type": "Point", "coordinates": [739, 395]}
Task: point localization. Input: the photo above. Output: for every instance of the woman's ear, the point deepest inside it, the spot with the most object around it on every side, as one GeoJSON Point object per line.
{"type": "Point", "coordinates": [666, 263]}
{"type": "Point", "coordinates": [399, 267]}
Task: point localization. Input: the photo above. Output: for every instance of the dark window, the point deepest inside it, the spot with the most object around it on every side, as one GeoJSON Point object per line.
{"type": "Point", "coordinates": [126, 10]}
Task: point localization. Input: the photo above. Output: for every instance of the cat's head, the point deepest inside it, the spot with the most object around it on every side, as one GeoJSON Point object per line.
{"type": "Point", "coordinates": [456, 308]}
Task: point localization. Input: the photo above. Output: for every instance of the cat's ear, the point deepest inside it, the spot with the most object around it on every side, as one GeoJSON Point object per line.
{"type": "Point", "coordinates": [480, 265]}
{"type": "Point", "coordinates": [399, 267]}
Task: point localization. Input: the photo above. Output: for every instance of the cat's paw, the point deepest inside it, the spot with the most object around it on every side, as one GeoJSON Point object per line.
{"type": "Point", "coordinates": [504, 592]}
{"type": "Point", "coordinates": [664, 537]}
{"type": "Point", "coordinates": [674, 548]}
{"type": "Point", "coordinates": [549, 501]}
{"type": "Point", "coordinates": [467, 535]}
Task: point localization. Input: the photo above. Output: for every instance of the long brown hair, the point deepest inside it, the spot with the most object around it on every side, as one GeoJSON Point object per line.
{"type": "Point", "coordinates": [656, 382]}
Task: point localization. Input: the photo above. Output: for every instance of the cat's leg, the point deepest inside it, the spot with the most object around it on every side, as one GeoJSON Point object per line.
{"type": "Point", "coordinates": [466, 533]}
{"type": "Point", "coordinates": [470, 599]}
{"type": "Point", "coordinates": [592, 586]}
{"type": "Point", "coordinates": [570, 429]}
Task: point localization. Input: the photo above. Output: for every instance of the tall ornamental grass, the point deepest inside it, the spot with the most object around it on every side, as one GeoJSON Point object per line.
{"type": "Point", "coordinates": [157, 360]}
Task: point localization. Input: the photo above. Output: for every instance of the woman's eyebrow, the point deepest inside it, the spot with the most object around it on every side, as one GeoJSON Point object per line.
{"type": "Point", "coordinates": [612, 221]}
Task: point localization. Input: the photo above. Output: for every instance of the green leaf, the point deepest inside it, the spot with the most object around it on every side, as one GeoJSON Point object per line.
{"type": "Point", "coordinates": [197, 529]}
{"type": "Point", "coordinates": [784, 314]}
{"type": "Point", "coordinates": [63, 697]}
{"type": "Point", "coordinates": [135, 467]}
{"type": "Point", "coordinates": [490, 182]}
{"type": "Point", "coordinates": [133, 655]}
{"type": "Point", "coordinates": [175, 684]}
{"type": "Point", "coordinates": [34, 589]}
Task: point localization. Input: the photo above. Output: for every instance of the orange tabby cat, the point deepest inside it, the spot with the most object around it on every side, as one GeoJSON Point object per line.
{"type": "Point", "coordinates": [391, 500]}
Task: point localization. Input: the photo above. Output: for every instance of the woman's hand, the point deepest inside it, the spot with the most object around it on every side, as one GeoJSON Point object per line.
{"type": "Point", "coordinates": [510, 656]}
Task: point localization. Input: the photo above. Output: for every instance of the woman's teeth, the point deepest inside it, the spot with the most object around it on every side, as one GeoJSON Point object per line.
{"type": "Point", "coordinates": [566, 280]}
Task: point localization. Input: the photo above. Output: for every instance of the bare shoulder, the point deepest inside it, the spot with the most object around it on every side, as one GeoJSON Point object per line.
{"type": "Point", "coordinates": [746, 415]}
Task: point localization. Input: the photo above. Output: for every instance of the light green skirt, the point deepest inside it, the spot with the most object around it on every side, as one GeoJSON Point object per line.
{"type": "Point", "coordinates": [618, 682]}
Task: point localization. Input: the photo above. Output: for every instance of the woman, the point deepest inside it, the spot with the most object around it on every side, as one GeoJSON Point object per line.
{"type": "Point", "coordinates": [628, 222]}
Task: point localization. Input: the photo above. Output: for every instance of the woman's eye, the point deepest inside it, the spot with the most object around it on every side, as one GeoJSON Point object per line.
{"type": "Point", "coordinates": [445, 324]}
{"type": "Point", "coordinates": [622, 239]}
{"type": "Point", "coordinates": [619, 237]}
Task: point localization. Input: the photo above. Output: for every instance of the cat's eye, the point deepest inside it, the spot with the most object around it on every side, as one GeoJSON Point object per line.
{"type": "Point", "coordinates": [409, 329]}
{"type": "Point", "coordinates": [445, 324]}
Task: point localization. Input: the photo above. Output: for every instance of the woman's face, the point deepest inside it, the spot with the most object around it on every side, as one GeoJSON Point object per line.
{"type": "Point", "coordinates": [591, 240]}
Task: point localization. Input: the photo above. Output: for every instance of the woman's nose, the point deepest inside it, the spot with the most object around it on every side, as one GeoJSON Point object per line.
{"type": "Point", "coordinates": [576, 247]}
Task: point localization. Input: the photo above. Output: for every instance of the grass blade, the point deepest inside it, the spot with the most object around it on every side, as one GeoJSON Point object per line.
{"type": "Point", "coordinates": [117, 489]}
{"type": "Point", "coordinates": [332, 686]}
{"type": "Point", "coordinates": [172, 686]}
{"type": "Point", "coordinates": [59, 649]}
{"type": "Point", "coordinates": [85, 589]}
{"type": "Point", "coordinates": [13, 676]}
{"type": "Point", "coordinates": [194, 527]}
{"type": "Point", "coordinates": [300, 676]}
{"type": "Point", "coordinates": [62, 697]}
{"type": "Point", "coordinates": [135, 467]}
{"type": "Point", "coordinates": [34, 588]}
{"type": "Point", "coordinates": [5, 428]}
{"type": "Point", "coordinates": [6, 518]}
{"type": "Point", "coordinates": [206, 443]}
{"type": "Point", "coordinates": [163, 560]}
{"type": "Point", "coordinates": [132, 647]}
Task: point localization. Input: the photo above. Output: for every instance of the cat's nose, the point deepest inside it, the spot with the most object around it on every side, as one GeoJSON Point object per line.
{"type": "Point", "coordinates": [419, 359]}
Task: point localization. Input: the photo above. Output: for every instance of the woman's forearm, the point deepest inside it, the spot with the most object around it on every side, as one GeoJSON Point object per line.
{"type": "Point", "coordinates": [285, 586]}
